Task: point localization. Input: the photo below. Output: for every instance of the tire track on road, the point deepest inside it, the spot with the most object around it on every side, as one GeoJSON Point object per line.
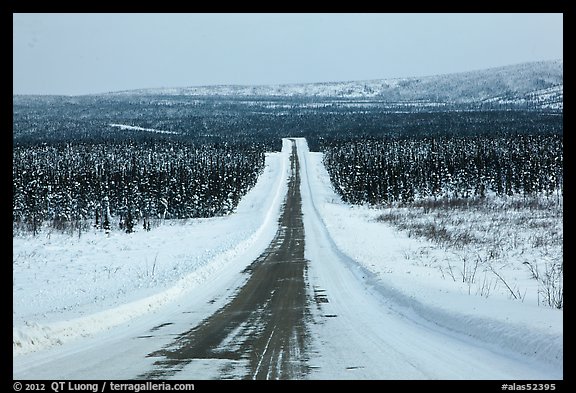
{"type": "Point", "coordinates": [261, 333]}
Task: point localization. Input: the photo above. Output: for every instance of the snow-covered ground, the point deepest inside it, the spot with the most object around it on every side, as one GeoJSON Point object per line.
{"type": "Point", "coordinates": [66, 288]}
{"type": "Point", "coordinates": [401, 268]}
{"type": "Point", "coordinates": [136, 128]}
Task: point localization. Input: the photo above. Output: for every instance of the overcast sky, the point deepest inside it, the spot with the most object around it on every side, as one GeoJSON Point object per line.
{"type": "Point", "coordinates": [96, 53]}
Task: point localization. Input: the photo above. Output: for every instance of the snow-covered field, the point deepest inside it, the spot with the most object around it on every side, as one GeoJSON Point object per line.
{"type": "Point", "coordinates": [406, 269]}
{"type": "Point", "coordinates": [127, 127]}
{"type": "Point", "coordinates": [67, 287]}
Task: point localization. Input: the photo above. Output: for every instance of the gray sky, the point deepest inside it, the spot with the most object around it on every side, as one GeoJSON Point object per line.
{"type": "Point", "coordinates": [96, 53]}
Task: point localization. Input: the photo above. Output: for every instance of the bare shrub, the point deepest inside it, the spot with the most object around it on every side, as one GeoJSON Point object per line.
{"type": "Point", "coordinates": [498, 229]}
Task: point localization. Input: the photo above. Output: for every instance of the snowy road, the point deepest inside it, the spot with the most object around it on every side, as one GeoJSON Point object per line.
{"type": "Point", "coordinates": [262, 329]}
{"type": "Point", "coordinates": [302, 310]}
{"type": "Point", "coordinates": [360, 334]}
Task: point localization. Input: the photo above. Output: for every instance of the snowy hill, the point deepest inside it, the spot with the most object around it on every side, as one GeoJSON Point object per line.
{"type": "Point", "coordinates": [539, 83]}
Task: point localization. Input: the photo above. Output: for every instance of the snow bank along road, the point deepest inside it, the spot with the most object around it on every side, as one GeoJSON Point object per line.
{"type": "Point", "coordinates": [301, 310]}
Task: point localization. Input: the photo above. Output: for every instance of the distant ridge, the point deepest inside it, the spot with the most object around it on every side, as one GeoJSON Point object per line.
{"type": "Point", "coordinates": [539, 82]}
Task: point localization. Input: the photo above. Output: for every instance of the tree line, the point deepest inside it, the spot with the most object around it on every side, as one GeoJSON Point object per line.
{"type": "Point", "coordinates": [257, 120]}
{"type": "Point", "coordinates": [125, 183]}
{"type": "Point", "coordinates": [385, 170]}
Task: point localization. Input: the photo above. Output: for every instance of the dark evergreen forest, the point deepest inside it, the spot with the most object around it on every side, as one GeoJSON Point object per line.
{"type": "Point", "coordinates": [129, 182]}
{"type": "Point", "coordinates": [381, 171]}
{"type": "Point", "coordinates": [189, 157]}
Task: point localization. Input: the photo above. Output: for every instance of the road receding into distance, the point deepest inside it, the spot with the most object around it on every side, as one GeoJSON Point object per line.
{"type": "Point", "coordinates": [301, 310]}
{"type": "Point", "coordinates": [263, 327]}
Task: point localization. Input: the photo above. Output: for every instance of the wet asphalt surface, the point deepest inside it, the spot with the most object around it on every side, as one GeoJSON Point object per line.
{"type": "Point", "coordinates": [261, 332]}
